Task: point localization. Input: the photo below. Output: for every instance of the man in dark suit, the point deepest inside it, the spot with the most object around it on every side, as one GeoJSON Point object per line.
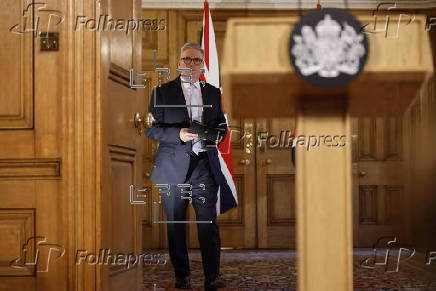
{"type": "Point", "coordinates": [184, 158]}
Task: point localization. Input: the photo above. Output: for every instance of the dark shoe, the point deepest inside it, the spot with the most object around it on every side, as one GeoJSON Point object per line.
{"type": "Point", "coordinates": [183, 282]}
{"type": "Point", "coordinates": [215, 284]}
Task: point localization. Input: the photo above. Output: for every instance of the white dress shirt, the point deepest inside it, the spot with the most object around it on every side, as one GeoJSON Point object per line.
{"type": "Point", "coordinates": [192, 93]}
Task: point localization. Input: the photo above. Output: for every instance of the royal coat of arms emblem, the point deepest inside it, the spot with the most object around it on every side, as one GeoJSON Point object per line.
{"type": "Point", "coordinates": [327, 48]}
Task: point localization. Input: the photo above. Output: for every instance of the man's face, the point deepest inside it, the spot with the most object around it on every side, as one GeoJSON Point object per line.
{"type": "Point", "coordinates": [191, 58]}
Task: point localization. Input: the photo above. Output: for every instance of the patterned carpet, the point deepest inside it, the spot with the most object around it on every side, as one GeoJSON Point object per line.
{"type": "Point", "coordinates": [276, 270]}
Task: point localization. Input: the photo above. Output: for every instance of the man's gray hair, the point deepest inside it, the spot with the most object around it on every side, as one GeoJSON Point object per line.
{"type": "Point", "coordinates": [190, 45]}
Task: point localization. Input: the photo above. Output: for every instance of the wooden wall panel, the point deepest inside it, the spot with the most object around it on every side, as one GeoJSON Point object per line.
{"type": "Point", "coordinates": [367, 139]}
{"type": "Point", "coordinates": [16, 57]}
{"type": "Point", "coordinates": [368, 204]}
{"type": "Point", "coordinates": [155, 39]}
{"type": "Point", "coordinates": [30, 169]}
{"type": "Point", "coordinates": [236, 215]}
{"type": "Point", "coordinates": [420, 143]}
{"type": "Point", "coordinates": [151, 231]}
{"type": "Point", "coordinates": [122, 167]}
{"type": "Point", "coordinates": [281, 199]}
{"type": "Point", "coordinates": [17, 227]}
{"type": "Point", "coordinates": [121, 44]}
{"type": "Point", "coordinates": [393, 148]}
{"type": "Point", "coordinates": [393, 204]}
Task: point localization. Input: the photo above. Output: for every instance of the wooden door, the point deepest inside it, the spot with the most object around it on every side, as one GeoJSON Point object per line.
{"type": "Point", "coordinates": [155, 54]}
{"type": "Point", "coordinates": [378, 180]}
{"type": "Point", "coordinates": [122, 147]}
{"type": "Point", "coordinates": [275, 183]}
{"type": "Point", "coordinates": [33, 213]}
{"type": "Point", "coordinates": [238, 225]}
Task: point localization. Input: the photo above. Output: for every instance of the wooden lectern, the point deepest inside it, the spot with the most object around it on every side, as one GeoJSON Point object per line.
{"type": "Point", "coordinates": [259, 81]}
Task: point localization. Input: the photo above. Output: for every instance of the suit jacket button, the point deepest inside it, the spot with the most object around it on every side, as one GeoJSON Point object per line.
{"type": "Point", "coordinates": [187, 154]}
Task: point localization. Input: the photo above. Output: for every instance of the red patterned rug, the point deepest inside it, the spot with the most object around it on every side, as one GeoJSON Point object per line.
{"type": "Point", "coordinates": [276, 270]}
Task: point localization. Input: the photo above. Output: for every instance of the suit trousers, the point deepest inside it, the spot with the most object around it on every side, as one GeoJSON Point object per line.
{"type": "Point", "coordinates": [203, 196]}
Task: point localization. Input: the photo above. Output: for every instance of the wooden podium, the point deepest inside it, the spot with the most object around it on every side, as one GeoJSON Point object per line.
{"type": "Point", "coordinates": [259, 81]}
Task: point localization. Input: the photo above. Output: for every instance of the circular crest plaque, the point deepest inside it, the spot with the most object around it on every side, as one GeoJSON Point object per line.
{"type": "Point", "coordinates": [327, 48]}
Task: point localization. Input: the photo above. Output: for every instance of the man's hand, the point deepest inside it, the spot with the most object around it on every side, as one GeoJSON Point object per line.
{"type": "Point", "coordinates": [185, 135]}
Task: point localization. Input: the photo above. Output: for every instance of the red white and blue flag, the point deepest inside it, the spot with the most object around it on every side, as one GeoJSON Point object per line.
{"type": "Point", "coordinates": [227, 196]}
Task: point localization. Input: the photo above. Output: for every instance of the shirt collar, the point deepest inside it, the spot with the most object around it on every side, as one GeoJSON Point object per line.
{"type": "Point", "coordinates": [186, 85]}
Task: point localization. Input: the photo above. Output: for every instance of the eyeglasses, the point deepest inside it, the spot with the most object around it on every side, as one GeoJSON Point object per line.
{"type": "Point", "coordinates": [188, 60]}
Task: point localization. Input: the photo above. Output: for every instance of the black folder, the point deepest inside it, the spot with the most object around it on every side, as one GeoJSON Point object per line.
{"type": "Point", "coordinates": [205, 132]}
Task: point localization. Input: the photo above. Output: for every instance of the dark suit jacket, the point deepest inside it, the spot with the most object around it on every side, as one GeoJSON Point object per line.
{"type": "Point", "coordinates": [171, 161]}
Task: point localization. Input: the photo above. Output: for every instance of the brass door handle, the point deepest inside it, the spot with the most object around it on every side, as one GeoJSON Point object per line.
{"type": "Point", "coordinates": [245, 162]}
{"type": "Point", "coordinates": [268, 161]}
{"type": "Point", "coordinates": [248, 135]}
{"type": "Point", "coordinates": [362, 173]}
{"type": "Point", "coordinates": [138, 122]}
{"type": "Point", "coordinates": [141, 122]}
{"type": "Point", "coordinates": [260, 145]}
